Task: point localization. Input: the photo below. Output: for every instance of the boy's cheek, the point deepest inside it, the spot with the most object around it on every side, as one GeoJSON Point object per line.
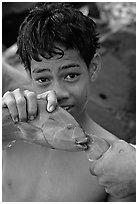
{"type": "Point", "coordinates": [38, 89]}
{"type": "Point", "coordinates": [82, 97]}
{"type": "Point", "coordinates": [82, 103]}
{"type": "Point", "coordinates": [83, 92]}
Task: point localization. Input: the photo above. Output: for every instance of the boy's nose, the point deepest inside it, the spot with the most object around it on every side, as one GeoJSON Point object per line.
{"type": "Point", "coordinates": [61, 92]}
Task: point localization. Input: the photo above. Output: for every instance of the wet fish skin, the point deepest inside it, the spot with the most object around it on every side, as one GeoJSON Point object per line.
{"type": "Point", "coordinates": [57, 130]}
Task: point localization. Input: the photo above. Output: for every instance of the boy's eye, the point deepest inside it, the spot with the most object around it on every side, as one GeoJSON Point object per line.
{"type": "Point", "coordinates": [43, 80]}
{"type": "Point", "coordinates": [72, 77]}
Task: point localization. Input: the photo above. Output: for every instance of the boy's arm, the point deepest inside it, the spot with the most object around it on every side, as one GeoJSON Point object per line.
{"type": "Point", "coordinates": [116, 168]}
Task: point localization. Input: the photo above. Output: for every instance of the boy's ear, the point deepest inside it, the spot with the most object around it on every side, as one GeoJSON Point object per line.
{"type": "Point", "coordinates": [95, 66]}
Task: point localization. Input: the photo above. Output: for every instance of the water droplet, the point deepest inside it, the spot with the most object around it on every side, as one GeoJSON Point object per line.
{"type": "Point", "coordinates": [11, 143]}
{"type": "Point", "coordinates": [28, 142]}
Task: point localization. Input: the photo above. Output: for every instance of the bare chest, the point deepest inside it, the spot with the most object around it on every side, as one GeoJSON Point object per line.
{"type": "Point", "coordinates": [32, 173]}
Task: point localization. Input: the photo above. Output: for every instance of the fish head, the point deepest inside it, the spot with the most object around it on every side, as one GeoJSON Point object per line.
{"type": "Point", "coordinates": [60, 129]}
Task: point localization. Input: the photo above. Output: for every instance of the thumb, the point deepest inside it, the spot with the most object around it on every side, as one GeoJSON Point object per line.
{"type": "Point", "coordinates": [99, 145]}
{"type": "Point", "coordinates": [51, 98]}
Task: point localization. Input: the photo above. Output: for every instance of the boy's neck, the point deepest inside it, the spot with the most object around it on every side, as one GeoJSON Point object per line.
{"type": "Point", "coordinates": [91, 127]}
{"type": "Point", "coordinates": [85, 122]}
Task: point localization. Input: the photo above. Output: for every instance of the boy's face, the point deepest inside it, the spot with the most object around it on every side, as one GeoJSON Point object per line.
{"type": "Point", "coordinates": [69, 77]}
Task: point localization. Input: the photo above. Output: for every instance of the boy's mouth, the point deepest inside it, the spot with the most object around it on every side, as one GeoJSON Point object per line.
{"type": "Point", "coordinates": [67, 107]}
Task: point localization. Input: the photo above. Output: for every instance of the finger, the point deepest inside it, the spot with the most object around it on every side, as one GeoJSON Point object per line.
{"type": "Point", "coordinates": [92, 168]}
{"type": "Point", "coordinates": [42, 96]}
{"type": "Point", "coordinates": [120, 190]}
{"type": "Point", "coordinates": [97, 147]}
{"type": "Point", "coordinates": [50, 97]}
{"type": "Point", "coordinates": [31, 104]}
{"type": "Point", "coordinates": [102, 166]}
{"type": "Point", "coordinates": [107, 190]}
{"type": "Point", "coordinates": [10, 102]}
{"type": "Point", "coordinates": [21, 104]}
{"type": "Point", "coordinates": [116, 191]}
{"type": "Point", "coordinates": [106, 180]}
{"type": "Point", "coordinates": [52, 101]}
{"type": "Point", "coordinates": [108, 137]}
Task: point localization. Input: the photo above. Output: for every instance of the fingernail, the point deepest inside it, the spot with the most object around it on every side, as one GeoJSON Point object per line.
{"type": "Point", "coordinates": [16, 120]}
{"type": "Point", "coordinates": [51, 108]}
{"type": "Point", "coordinates": [90, 159]}
{"type": "Point", "coordinates": [32, 117]}
{"type": "Point", "coordinates": [38, 97]}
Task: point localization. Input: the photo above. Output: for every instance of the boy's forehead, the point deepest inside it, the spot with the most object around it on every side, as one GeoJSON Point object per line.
{"type": "Point", "coordinates": [69, 56]}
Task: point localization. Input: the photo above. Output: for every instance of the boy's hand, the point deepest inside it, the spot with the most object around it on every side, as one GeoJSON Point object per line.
{"type": "Point", "coordinates": [116, 168]}
{"type": "Point", "coordinates": [23, 106]}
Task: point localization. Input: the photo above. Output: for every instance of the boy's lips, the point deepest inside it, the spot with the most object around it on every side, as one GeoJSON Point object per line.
{"type": "Point", "coordinates": [67, 107]}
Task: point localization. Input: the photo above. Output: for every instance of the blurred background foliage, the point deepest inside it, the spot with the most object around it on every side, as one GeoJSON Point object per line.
{"type": "Point", "coordinates": [109, 15]}
{"type": "Point", "coordinates": [113, 95]}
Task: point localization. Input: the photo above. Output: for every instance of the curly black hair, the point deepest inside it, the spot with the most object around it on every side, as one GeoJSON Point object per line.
{"type": "Point", "coordinates": [49, 24]}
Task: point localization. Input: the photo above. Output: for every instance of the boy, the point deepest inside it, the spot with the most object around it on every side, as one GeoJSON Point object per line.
{"type": "Point", "coordinates": [57, 45]}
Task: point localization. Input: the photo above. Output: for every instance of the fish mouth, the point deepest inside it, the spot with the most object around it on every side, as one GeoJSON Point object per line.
{"type": "Point", "coordinates": [83, 144]}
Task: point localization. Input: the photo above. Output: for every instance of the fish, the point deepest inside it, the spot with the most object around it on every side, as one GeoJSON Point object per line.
{"type": "Point", "coordinates": [56, 130]}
